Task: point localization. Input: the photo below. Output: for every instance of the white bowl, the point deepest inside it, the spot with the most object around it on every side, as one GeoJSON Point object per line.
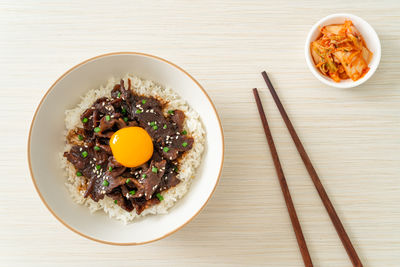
{"type": "Point", "coordinates": [46, 141]}
{"type": "Point", "coordinates": [369, 35]}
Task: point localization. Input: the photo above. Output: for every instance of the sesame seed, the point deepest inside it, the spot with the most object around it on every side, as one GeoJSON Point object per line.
{"type": "Point", "coordinates": [80, 149]}
{"type": "Point", "coordinates": [94, 159]}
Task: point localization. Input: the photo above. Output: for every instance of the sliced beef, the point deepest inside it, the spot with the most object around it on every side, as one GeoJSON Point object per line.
{"type": "Point", "coordinates": [174, 146]}
{"type": "Point", "coordinates": [139, 188]}
{"type": "Point", "coordinates": [95, 189]}
{"type": "Point", "coordinates": [131, 188]}
{"type": "Point", "coordinates": [76, 158]}
{"type": "Point", "coordinates": [76, 136]}
{"type": "Point", "coordinates": [105, 148]}
{"type": "Point", "coordinates": [169, 180]}
{"type": "Point", "coordinates": [107, 125]}
{"type": "Point", "coordinates": [113, 181]}
{"type": "Point", "coordinates": [178, 117]}
{"type": "Point", "coordinates": [154, 123]}
{"type": "Point", "coordinates": [118, 196]}
{"type": "Point", "coordinates": [119, 91]}
{"type": "Point", "coordinates": [102, 106]}
{"type": "Point", "coordinates": [141, 204]}
{"type": "Point", "coordinates": [152, 178]}
{"type": "Point", "coordinates": [101, 157]}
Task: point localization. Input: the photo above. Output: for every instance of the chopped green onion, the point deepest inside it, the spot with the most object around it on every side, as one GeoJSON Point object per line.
{"type": "Point", "coordinates": [171, 112]}
{"type": "Point", "coordinates": [160, 197]}
{"type": "Point", "coordinates": [80, 137]}
{"type": "Point", "coordinates": [108, 117]}
{"type": "Point", "coordinates": [105, 183]}
{"type": "Point", "coordinates": [84, 154]}
{"type": "Point", "coordinates": [144, 101]}
{"type": "Point", "coordinates": [97, 129]}
{"type": "Point", "coordinates": [155, 127]}
{"type": "Point", "coordinates": [125, 119]}
{"type": "Point", "coordinates": [123, 110]}
{"type": "Point", "coordinates": [132, 192]}
{"type": "Point", "coordinates": [154, 169]}
{"type": "Point", "coordinates": [115, 201]}
{"type": "Point", "coordinates": [176, 169]}
{"type": "Point", "coordinates": [184, 144]}
{"type": "Point", "coordinates": [96, 148]}
{"type": "Point", "coordinates": [165, 126]}
{"type": "Point", "coordinates": [110, 168]}
{"type": "Point", "coordinates": [78, 174]}
{"type": "Point", "coordinates": [166, 149]}
{"type": "Point", "coordinates": [138, 111]}
{"type": "Point", "coordinates": [127, 181]}
{"type": "Point", "coordinates": [119, 94]}
{"type": "Point", "coordinates": [152, 123]}
{"type": "Point", "coordinates": [98, 167]}
{"type": "Point", "coordinates": [85, 120]}
{"type": "Point", "coordinates": [184, 132]}
{"type": "Point", "coordinates": [144, 175]}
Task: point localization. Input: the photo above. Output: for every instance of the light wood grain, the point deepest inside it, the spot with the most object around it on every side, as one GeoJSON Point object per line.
{"type": "Point", "coordinates": [352, 135]}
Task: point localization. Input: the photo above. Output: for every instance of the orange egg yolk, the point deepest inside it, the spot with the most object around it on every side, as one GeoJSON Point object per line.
{"type": "Point", "coordinates": [131, 146]}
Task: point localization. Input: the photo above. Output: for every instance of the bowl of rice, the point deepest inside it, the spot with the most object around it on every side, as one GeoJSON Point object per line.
{"type": "Point", "coordinates": [59, 112]}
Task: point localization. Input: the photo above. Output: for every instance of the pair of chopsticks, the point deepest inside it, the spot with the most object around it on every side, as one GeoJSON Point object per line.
{"type": "Point", "coordinates": [314, 177]}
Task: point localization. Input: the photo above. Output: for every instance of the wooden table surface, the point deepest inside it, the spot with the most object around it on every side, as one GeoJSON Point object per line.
{"type": "Point", "coordinates": [351, 135]}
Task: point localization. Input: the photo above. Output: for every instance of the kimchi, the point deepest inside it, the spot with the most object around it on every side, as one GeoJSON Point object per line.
{"type": "Point", "coordinates": [340, 52]}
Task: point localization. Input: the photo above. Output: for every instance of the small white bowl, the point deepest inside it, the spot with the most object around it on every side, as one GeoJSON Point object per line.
{"type": "Point", "coordinates": [46, 141]}
{"type": "Point", "coordinates": [369, 35]}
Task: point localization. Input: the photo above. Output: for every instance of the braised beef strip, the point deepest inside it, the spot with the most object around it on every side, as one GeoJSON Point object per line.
{"type": "Point", "coordinates": [131, 188]}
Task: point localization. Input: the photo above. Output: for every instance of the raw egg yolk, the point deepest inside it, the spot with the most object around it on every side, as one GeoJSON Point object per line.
{"type": "Point", "coordinates": [131, 146]}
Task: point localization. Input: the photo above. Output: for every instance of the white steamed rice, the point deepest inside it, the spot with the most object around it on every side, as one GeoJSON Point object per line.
{"type": "Point", "coordinates": [188, 164]}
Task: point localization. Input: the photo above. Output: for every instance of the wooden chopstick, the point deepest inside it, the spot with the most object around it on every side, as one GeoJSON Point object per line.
{"type": "Point", "coordinates": [284, 187]}
{"type": "Point", "coordinates": [351, 252]}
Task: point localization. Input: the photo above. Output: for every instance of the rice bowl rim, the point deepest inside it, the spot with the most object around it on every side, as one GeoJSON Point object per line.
{"type": "Point", "coordinates": [51, 88]}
